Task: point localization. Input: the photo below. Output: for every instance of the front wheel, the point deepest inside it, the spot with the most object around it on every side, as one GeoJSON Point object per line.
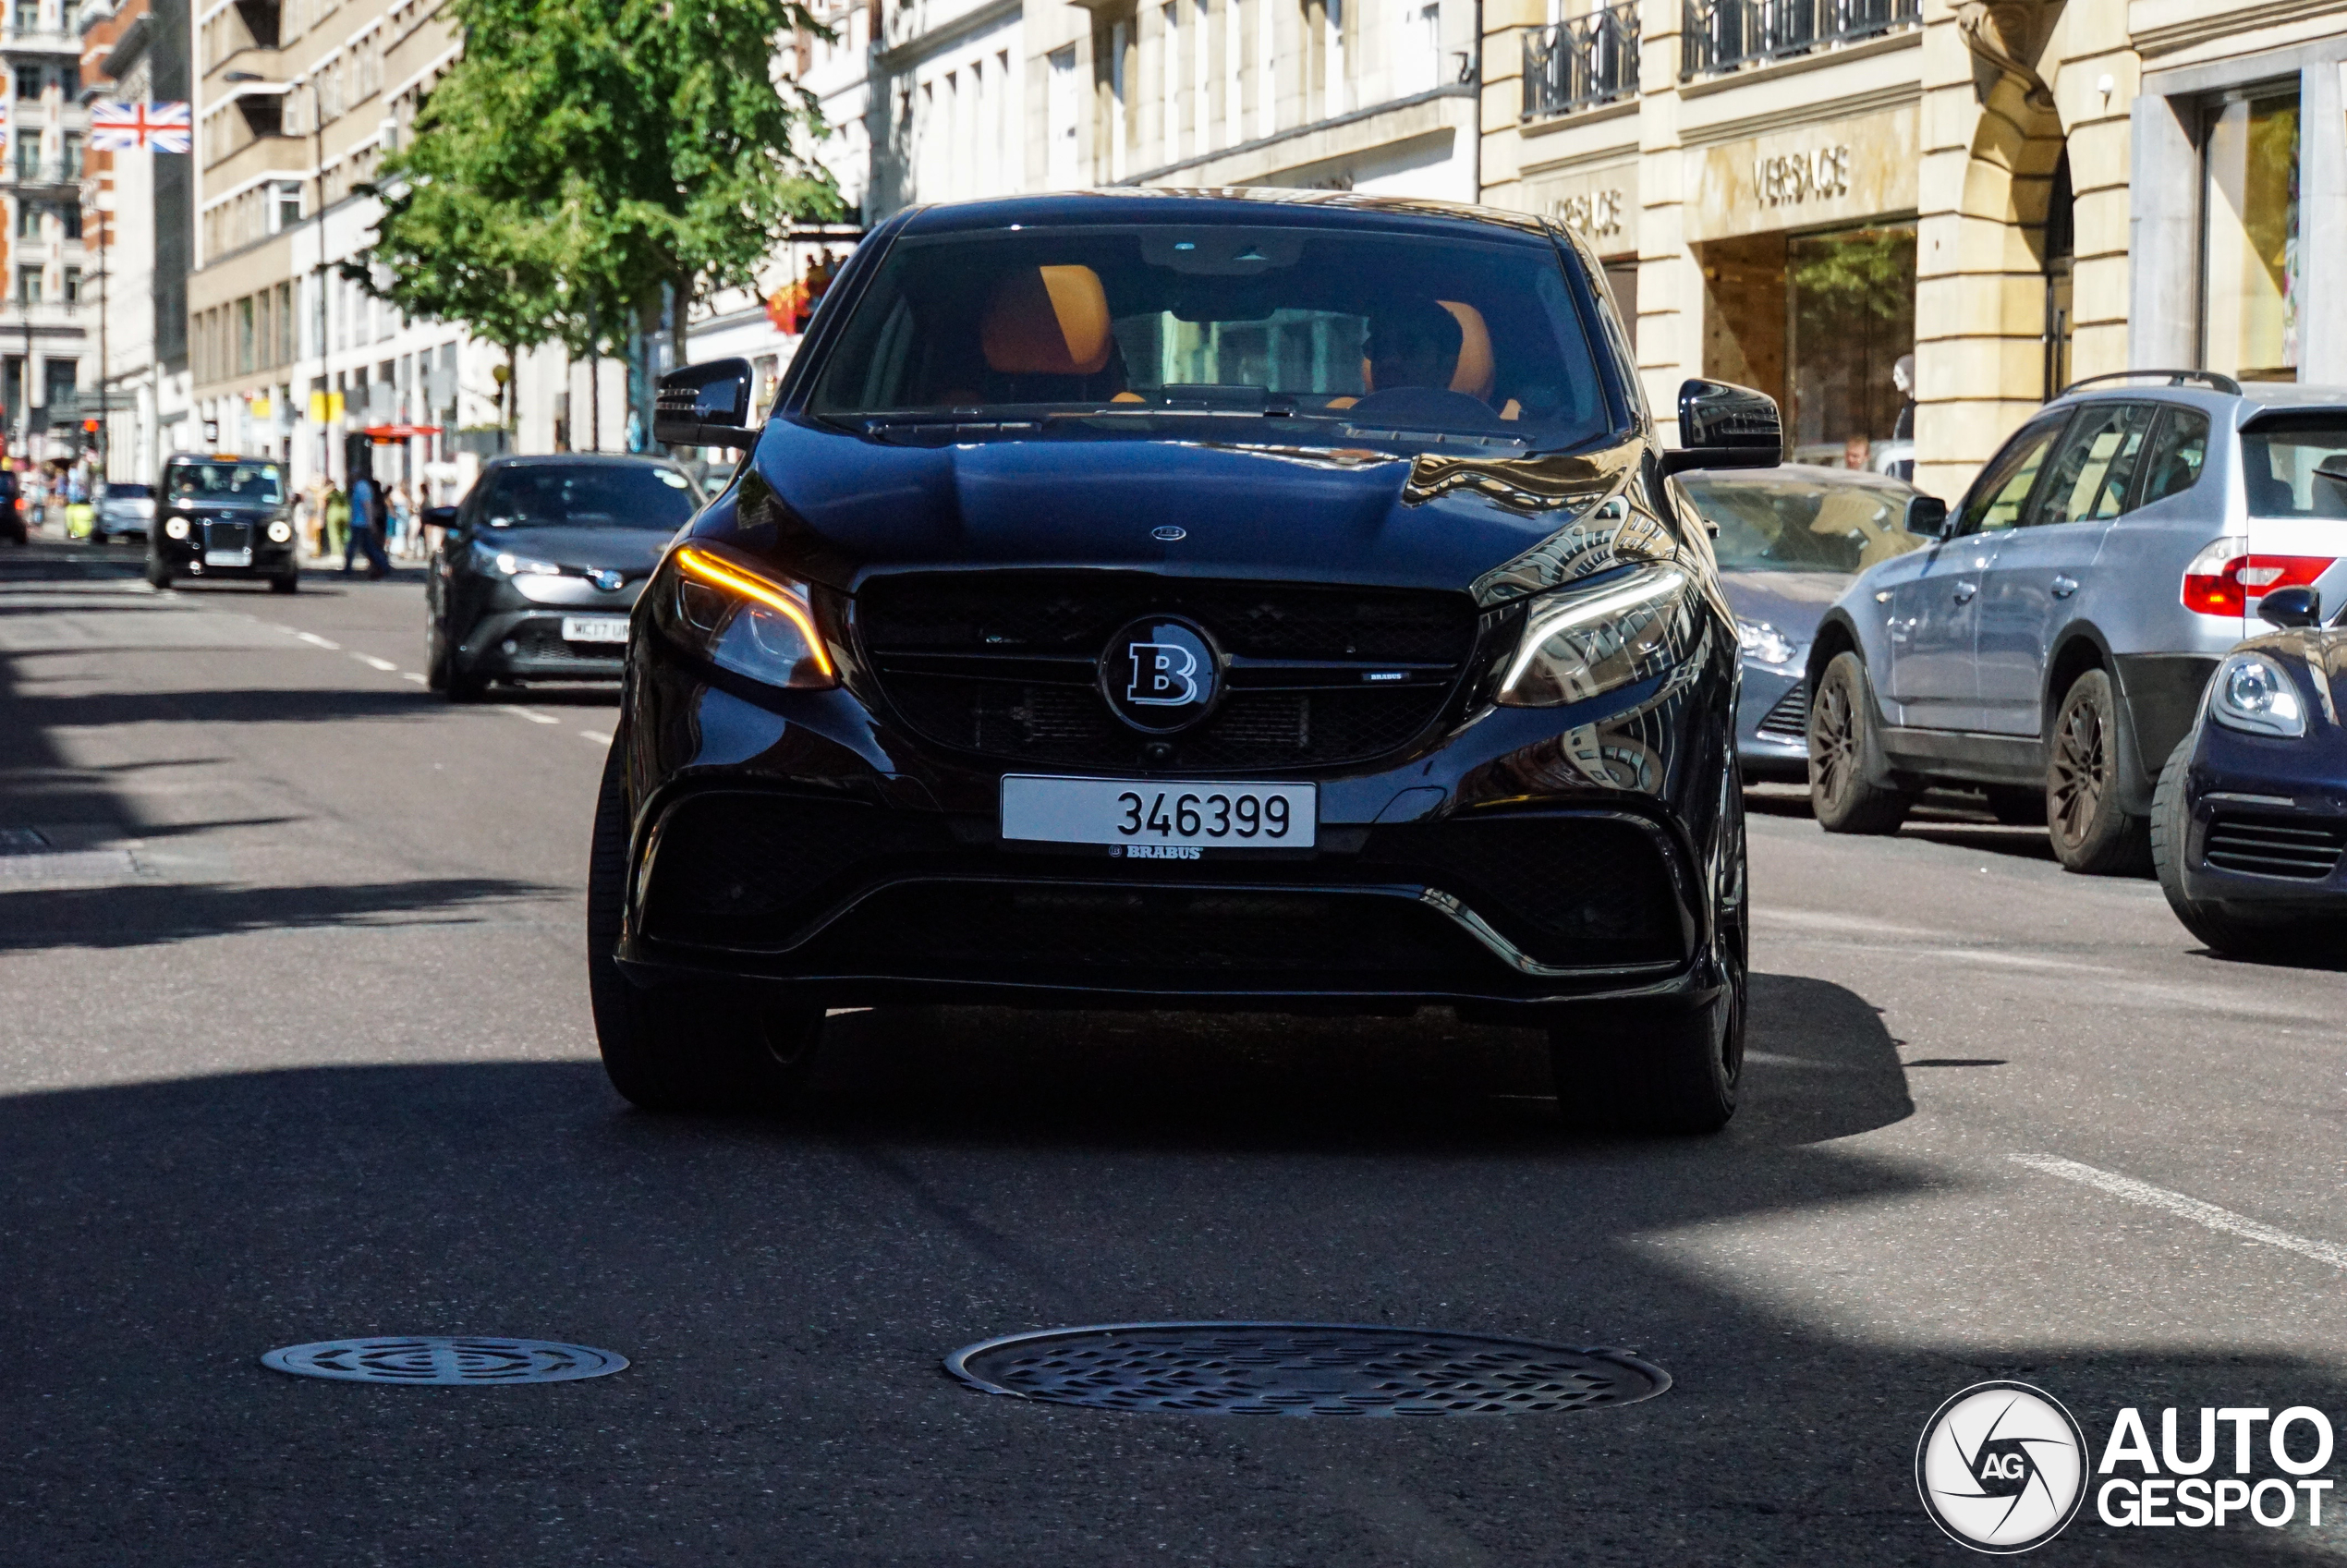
{"type": "Point", "coordinates": [285, 585]}
{"type": "Point", "coordinates": [1841, 735]}
{"type": "Point", "coordinates": [2091, 832]}
{"type": "Point", "coordinates": [1656, 1067]}
{"type": "Point", "coordinates": [158, 574]}
{"type": "Point", "coordinates": [704, 1050]}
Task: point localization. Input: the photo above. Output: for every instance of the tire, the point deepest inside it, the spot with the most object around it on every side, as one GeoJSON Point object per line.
{"type": "Point", "coordinates": [1652, 1069]}
{"type": "Point", "coordinates": [441, 674]}
{"type": "Point", "coordinates": [285, 585]}
{"type": "Point", "coordinates": [1840, 737]}
{"type": "Point", "coordinates": [2017, 807]}
{"type": "Point", "coordinates": [699, 1051]}
{"type": "Point", "coordinates": [158, 574]}
{"type": "Point", "coordinates": [2170, 834]}
{"type": "Point", "coordinates": [435, 658]}
{"type": "Point", "coordinates": [2091, 833]}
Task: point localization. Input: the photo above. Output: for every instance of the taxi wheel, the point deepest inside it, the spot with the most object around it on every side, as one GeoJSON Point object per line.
{"type": "Point", "coordinates": [674, 1050]}
{"type": "Point", "coordinates": [285, 585]}
{"type": "Point", "coordinates": [158, 574]}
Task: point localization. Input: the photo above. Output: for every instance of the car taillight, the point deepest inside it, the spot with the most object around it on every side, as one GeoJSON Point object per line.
{"type": "Point", "coordinates": [2225, 576]}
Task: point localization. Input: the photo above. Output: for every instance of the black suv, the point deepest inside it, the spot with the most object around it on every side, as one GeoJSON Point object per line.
{"type": "Point", "coordinates": [220, 515]}
{"type": "Point", "coordinates": [1257, 600]}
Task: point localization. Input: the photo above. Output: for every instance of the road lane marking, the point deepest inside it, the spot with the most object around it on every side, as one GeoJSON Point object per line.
{"type": "Point", "coordinates": [375, 663]}
{"type": "Point", "coordinates": [2183, 1208]}
{"type": "Point", "coordinates": [316, 641]}
{"type": "Point", "coordinates": [526, 713]}
{"type": "Point", "coordinates": [1820, 921]}
{"type": "Point", "coordinates": [411, 676]}
{"type": "Point", "coordinates": [598, 739]}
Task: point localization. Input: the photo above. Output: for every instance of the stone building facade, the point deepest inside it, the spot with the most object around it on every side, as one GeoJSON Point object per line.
{"type": "Point", "coordinates": [2015, 193]}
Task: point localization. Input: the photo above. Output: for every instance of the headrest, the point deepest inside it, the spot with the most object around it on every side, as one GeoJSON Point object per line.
{"type": "Point", "coordinates": [1047, 322]}
{"type": "Point", "coordinates": [1475, 370]}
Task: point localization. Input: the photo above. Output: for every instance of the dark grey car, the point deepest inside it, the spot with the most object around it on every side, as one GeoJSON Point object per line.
{"type": "Point", "coordinates": [1789, 540]}
{"type": "Point", "coordinates": [540, 565]}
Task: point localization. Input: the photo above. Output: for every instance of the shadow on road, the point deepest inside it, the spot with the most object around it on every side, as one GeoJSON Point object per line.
{"type": "Point", "coordinates": [137, 914]}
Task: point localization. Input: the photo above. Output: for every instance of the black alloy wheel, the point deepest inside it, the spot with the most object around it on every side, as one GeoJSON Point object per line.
{"type": "Point", "coordinates": [441, 674]}
{"type": "Point", "coordinates": [2092, 833]}
{"type": "Point", "coordinates": [697, 1051]}
{"type": "Point", "coordinates": [1841, 724]}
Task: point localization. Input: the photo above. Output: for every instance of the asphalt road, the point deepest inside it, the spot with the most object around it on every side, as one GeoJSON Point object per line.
{"type": "Point", "coordinates": [295, 1045]}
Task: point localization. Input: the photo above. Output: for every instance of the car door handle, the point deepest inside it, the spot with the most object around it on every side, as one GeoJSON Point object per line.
{"type": "Point", "coordinates": [2063, 586]}
{"type": "Point", "coordinates": [1964, 591]}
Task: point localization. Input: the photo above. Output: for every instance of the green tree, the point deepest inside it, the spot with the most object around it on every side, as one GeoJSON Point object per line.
{"type": "Point", "coordinates": [585, 164]}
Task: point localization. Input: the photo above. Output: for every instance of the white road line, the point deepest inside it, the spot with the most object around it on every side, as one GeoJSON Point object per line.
{"type": "Point", "coordinates": [316, 641]}
{"type": "Point", "coordinates": [2183, 1208]}
{"type": "Point", "coordinates": [411, 676]}
{"type": "Point", "coordinates": [598, 739]}
{"type": "Point", "coordinates": [375, 663]}
{"type": "Point", "coordinates": [526, 713]}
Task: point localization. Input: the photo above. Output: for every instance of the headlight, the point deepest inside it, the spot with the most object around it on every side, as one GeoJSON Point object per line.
{"type": "Point", "coordinates": [1760, 640]}
{"type": "Point", "coordinates": [2252, 692]}
{"type": "Point", "coordinates": [176, 528]}
{"type": "Point", "coordinates": [1581, 642]}
{"type": "Point", "coordinates": [515, 565]}
{"type": "Point", "coordinates": [740, 619]}
{"type": "Point", "coordinates": [280, 532]}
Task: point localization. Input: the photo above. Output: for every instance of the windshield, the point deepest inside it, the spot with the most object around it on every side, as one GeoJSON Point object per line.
{"type": "Point", "coordinates": [586, 495]}
{"type": "Point", "coordinates": [1818, 528]}
{"type": "Point", "coordinates": [116, 491]}
{"type": "Point", "coordinates": [258, 484]}
{"type": "Point", "coordinates": [2278, 462]}
{"type": "Point", "coordinates": [1344, 336]}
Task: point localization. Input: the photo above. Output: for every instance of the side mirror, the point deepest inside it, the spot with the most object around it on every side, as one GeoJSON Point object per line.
{"type": "Point", "coordinates": [2333, 469]}
{"type": "Point", "coordinates": [2291, 606]}
{"type": "Point", "coordinates": [443, 517]}
{"type": "Point", "coordinates": [705, 406]}
{"type": "Point", "coordinates": [1928, 517]}
{"type": "Point", "coordinates": [1724, 426]}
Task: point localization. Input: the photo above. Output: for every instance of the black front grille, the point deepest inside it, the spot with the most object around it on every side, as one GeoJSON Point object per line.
{"type": "Point", "coordinates": [1788, 718]}
{"type": "Point", "coordinates": [935, 644]}
{"type": "Point", "coordinates": [227, 536]}
{"type": "Point", "coordinates": [760, 872]}
{"type": "Point", "coordinates": [2303, 847]}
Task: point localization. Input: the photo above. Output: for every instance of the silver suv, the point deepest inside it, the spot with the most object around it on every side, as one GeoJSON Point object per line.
{"type": "Point", "coordinates": [2051, 645]}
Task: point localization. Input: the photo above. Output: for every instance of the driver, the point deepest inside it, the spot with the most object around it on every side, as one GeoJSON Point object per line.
{"type": "Point", "coordinates": [1414, 343]}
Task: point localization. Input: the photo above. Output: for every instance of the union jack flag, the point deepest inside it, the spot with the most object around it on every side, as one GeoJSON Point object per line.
{"type": "Point", "coordinates": [139, 127]}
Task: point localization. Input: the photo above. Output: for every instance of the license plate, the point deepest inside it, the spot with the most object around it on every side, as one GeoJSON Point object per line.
{"type": "Point", "coordinates": [227, 557]}
{"type": "Point", "coordinates": [1145, 817]}
{"type": "Point", "coordinates": [594, 628]}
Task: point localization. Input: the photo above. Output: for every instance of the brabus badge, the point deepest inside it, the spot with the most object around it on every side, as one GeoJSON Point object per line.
{"type": "Point", "coordinates": [1168, 533]}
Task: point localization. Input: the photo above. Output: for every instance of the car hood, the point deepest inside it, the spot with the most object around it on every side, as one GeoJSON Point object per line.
{"type": "Point", "coordinates": [835, 508]}
{"type": "Point", "coordinates": [1794, 602]}
{"type": "Point", "coordinates": [633, 551]}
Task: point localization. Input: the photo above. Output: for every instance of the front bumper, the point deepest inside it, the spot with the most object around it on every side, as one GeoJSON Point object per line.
{"type": "Point", "coordinates": [186, 558]}
{"type": "Point", "coordinates": [2267, 831]}
{"type": "Point", "coordinates": [1514, 864]}
{"type": "Point", "coordinates": [1773, 723]}
{"type": "Point", "coordinates": [528, 645]}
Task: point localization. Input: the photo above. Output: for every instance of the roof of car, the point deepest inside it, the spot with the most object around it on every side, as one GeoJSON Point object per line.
{"type": "Point", "coordinates": [565, 459]}
{"type": "Point", "coordinates": [2254, 397]}
{"type": "Point", "coordinates": [1806, 475]}
{"type": "Point", "coordinates": [1161, 204]}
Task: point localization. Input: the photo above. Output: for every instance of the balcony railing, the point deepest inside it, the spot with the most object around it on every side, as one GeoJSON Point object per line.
{"type": "Point", "coordinates": [1720, 35]}
{"type": "Point", "coordinates": [1581, 62]}
{"type": "Point", "coordinates": [41, 171]}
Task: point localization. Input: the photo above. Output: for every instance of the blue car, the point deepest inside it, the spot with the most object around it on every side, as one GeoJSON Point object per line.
{"type": "Point", "coordinates": [1789, 540]}
{"type": "Point", "coordinates": [2249, 824]}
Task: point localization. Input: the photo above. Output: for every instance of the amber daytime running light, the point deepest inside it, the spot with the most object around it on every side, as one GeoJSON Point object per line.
{"type": "Point", "coordinates": [720, 574]}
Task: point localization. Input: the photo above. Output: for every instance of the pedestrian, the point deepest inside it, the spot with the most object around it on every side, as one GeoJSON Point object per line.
{"type": "Point", "coordinates": [334, 510]}
{"type": "Point", "coordinates": [366, 528]}
{"type": "Point", "coordinates": [403, 522]}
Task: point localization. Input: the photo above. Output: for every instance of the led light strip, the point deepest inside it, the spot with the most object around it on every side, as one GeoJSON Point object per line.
{"type": "Point", "coordinates": [720, 574]}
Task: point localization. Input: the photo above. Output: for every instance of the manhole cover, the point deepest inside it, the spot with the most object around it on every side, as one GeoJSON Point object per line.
{"type": "Point", "coordinates": [1302, 1370]}
{"type": "Point", "coordinates": [424, 1359]}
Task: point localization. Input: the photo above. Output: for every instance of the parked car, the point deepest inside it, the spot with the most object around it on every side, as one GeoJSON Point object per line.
{"type": "Point", "coordinates": [221, 516]}
{"type": "Point", "coordinates": [1255, 601]}
{"type": "Point", "coordinates": [124, 510]}
{"type": "Point", "coordinates": [2052, 648]}
{"type": "Point", "coordinates": [539, 564]}
{"type": "Point", "coordinates": [1789, 541]}
{"type": "Point", "coordinates": [2249, 825]}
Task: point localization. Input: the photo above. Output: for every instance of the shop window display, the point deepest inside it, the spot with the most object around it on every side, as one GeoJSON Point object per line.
{"type": "Point", "coordinates": [2250, 267]}
{"type": "Point", "coordinates": [1850, 306]}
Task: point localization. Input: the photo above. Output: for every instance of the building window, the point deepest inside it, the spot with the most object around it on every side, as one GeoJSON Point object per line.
{"type": "Point", "coordinates": [73, 286]}
{"type": "Point", "coordinates": [27, 219]}
{"type": "Point", "coordinates": [28, 286]}
{"type": "Point", "coordinates": [27, 16]}
{"type": "Point", "coordinates": [28, 82]}
{"type": "Point", "coordinates": [70, 213]}
{"type": "Point", "coordinates": [244, 335]}
{"type": "Point", "coordinates": [62, 381]}
{"type": "Point", "coordinates": [73, 154]}
{"type": "Point", "coordinates": [2250, 264]}
{"type": "Point", "coordinates": [288, 205]}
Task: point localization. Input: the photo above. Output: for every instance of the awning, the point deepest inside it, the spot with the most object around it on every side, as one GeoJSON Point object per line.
{"type": "Point", "coordinates": [399, 432]}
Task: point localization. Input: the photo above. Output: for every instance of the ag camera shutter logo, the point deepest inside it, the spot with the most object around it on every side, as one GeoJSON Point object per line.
{"type": "Point", "coordinates": [2001, 1467]}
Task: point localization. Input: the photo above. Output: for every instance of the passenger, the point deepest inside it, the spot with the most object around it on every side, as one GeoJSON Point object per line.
{"type": "Point", "coordinates": [1413, 345]}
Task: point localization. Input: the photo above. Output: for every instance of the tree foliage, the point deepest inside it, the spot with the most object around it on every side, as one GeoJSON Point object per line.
{"type": "Point", "coordinates": [582, 153]}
